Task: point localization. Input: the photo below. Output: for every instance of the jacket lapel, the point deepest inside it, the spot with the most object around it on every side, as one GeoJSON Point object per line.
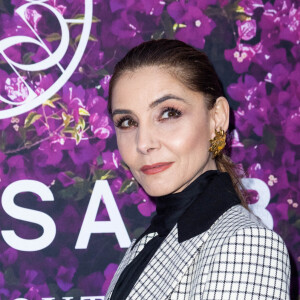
{"type": "Point", "coordinates": [130, 254]}
{"type": "Point", "coordinates": [167, 267]}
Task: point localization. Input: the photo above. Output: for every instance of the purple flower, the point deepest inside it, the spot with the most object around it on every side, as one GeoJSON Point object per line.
{"type": "Point", "coordinates": [253, 112]}
{"type": "Point", "coordinates": [91, 284]}
{"type": "Point", "coordinates": [8, 257]}
{"type": "Point", "coordinates": [196, 24]}
{"type": "Point", "coordinates": [127, 29]}
{"type": "Point", "coordinates": [292, 127]}
{"type": "Point", "coordinates": [50, 151]}
{"type": "Point", "coordinates": [280, 22]}
{"type": "Point", "coordinates": [100, 125]}
{"type": "Point", "coordinates": [242, 55]}
{"type": "Point", "coordinates": [69, 220]}
{"type": "Point", "coordinates": [111, 160]}
{"type": "Point", "coordinates": [116, 5]}
{"type": "Point", "coordinates": [145, 206]}
{"type": "Point", "coordinates": [104, 82]}
{"type": "Point", "coordinates": [249, 6]}
{"type": "Point", "coordinates": [278, 76]}
{"type": "Point", "coordinates": [246, 29]}
{"type": "Point", "coordinates": [64, 278]}
{"type": "Point", "coordinates": [74, 97]}
{"type": "Point", "coordinates": [153, 7]}
{"type": "Point", "coordinates": [16, 89]}
{"type": "Point", "coordinates": [109, 272]}
{"type": "Point", "coordinates": [83, 152]}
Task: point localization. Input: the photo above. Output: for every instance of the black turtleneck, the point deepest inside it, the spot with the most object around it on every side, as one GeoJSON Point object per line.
{"type": "Point", "coordinates": [194, 210]}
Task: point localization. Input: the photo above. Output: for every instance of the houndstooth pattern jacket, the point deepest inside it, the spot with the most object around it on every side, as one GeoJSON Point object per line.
{"type": "Point", "coordinates": [236, 258]}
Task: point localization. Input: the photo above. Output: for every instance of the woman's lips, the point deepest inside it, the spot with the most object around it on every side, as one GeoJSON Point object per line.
{"type": "Point", "coordinates": [156, 168]}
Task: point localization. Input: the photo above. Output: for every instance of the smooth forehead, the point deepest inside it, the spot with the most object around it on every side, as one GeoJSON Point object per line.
{"type": "Point", "coordinates": [147, 83]}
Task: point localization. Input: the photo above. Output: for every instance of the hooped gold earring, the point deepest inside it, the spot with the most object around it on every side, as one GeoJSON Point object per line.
{"type": "Point", "coordinates": [218, 143]}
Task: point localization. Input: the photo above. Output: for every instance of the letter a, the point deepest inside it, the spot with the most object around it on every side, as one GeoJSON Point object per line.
{"type": "Point", "coordinates": [90, 225]}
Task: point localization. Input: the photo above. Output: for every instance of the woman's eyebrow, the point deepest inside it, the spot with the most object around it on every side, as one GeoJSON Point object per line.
{"type": "Point", "coordinates": [121, 111]}
{"type": "Point", "coordinates": [164, 98]}
{"type": "Point", "coordinates": [152, 105]}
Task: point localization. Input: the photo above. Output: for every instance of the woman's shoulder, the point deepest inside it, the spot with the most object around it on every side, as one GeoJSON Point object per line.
{"type": "Point", "coordinates": [240, 223]}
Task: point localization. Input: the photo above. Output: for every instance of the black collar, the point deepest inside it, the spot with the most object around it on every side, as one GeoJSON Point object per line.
{"type": "Point", "coordinates": [217, 198]}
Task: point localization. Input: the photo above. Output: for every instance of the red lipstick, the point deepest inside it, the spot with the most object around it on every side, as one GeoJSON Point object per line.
{"type": "Point", "coordinates": [156, 168]}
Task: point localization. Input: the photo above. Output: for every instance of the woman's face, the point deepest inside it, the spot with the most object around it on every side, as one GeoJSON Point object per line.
{"type": "Point", "coordinates": [163, 130]}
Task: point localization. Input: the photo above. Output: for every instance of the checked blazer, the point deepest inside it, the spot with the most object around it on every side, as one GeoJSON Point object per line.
{"type": "Point", "coordinates": [236, 258]}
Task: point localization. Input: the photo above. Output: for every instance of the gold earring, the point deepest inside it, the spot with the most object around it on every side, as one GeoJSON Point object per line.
{"type": "Point", "coordinates": [218, 142]}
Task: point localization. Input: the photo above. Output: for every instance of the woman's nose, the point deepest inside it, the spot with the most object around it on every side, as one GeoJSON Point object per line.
{"type": "Point", "coordinates": [147, 139]}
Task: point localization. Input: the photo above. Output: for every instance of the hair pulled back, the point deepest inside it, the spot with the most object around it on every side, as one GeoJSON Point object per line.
{"type": "Point", "coordinates": [192, 68]}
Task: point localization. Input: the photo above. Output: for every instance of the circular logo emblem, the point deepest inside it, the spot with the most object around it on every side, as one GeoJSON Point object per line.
{"type": "Point", "coordinates": [32, 99]}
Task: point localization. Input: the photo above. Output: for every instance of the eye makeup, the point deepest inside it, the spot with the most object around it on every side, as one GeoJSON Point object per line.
{"type": "Point", "coordinates": [170, 112]}
{"type": "Point", "coordinates": [125, 122]}
{"type": "Point", "coordinates": [167, 113]}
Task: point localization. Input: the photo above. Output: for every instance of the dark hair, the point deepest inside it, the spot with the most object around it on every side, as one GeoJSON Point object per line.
{"type": "Point", "coordinates": [191, 67]}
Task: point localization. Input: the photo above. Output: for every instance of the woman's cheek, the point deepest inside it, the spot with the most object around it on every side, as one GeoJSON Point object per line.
{"type": "Point", "coordinates": [125, 143]}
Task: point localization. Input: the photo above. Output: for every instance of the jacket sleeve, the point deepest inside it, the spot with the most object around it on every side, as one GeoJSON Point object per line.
{"type": "Point", "coordinates": [251, 264]}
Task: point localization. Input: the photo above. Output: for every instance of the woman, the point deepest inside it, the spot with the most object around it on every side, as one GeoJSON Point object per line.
{"type": "Point", "coordinates": [170, 116]}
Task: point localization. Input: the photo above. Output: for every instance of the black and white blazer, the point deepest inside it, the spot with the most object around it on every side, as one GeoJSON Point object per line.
{"type": "Point", "coordinates": [236, 258]}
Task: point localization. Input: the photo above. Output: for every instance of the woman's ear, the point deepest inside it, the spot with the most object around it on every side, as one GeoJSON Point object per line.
{"type": "Point", "coordinates": [220, 115]}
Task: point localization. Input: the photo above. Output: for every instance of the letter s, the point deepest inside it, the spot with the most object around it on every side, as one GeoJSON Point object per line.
{"type": "Point", "coordinates": [28, 215]}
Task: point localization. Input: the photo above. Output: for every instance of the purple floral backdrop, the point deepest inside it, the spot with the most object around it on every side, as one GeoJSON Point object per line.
{"type": "Point", "coordinates": [68, 142]}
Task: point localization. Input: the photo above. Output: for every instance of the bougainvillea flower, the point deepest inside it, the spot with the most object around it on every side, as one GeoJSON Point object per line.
{"type": "Point", "coordinates": [250, 5]}
{"type": "Point", "coordinates": [64, 277]}
{"type": "Point", "coordinates": [292, 127]}
{"type": "Point", "coordinates": [69, 220]}
{"type": "Point", "coordinates": [241, 56]}
{"type": "Point", "coordinates": [116, 5]}
{"type": "Point", "coordinates": [100, 126]}
{"type": "Point", "coordinates": [196, 24]}
{"type": "Point", "coordinates": [9, 256]}
{"type": "Point", "coordinates": [246, 29]}
{"type": "Point", "coordinates": [111, 160]}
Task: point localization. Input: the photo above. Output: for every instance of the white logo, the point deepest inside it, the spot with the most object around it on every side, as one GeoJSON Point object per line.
{"type": "Point", "coordinates": [33, 100]}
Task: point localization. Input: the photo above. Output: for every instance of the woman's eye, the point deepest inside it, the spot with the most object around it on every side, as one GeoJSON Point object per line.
{"type": "Point", "coordinates": [170, 113]}
{"type": "Point", "coordinates": [124, 123]}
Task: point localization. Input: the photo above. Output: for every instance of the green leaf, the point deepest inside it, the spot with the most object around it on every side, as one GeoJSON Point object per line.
{"type": "Point", "coordinates": [167, 25]}
{"type": "Point", "coordinates": [75, 293]}
{"type": "Point", "coordinates": [248, 142]}
{"type": "Point", "coordinates": [81, 17]}
{"type": "Point", "coordinates": [102, 72]}
{"type": "Point", "coordinates": [10, 277]}
{"type": "Point", "coordinates": [83, 112]}
{"type": "Point", "coordinates": [66, 118]}
{"type": "Point", "coordinates": [55, 116]}
{"type": "Point", "coordinates": [78, 191]}
{"type": "Point", "coordinates": [78, 137]}
{"type": "Point", "coordinates": [269, 139]}
{"type": "Point", "coordinates": [124, 165]}
{"type": "Point", "coordinates": [49, 103]}
{"type": "Point", "coordinates": [63, 106]}
{"type": "Point", "coordinates": [297, 224]}
{"type": "Point", "coordinates": [55, 98]}
{"type": "Point", "coordinates": [91, 38]}
{"type": "Point", "coordinates": [69, 130]}
{"type": "Point", "coordinates": [53, 37]}
{"type": "Point", "coordinates": [80, 125]}
{"type": "Point", "coordinates": [31, 118]}
{"type": "Point", "coordinates": [104, 174]}
{"type": "Point", "coordinates": [129, 186]}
